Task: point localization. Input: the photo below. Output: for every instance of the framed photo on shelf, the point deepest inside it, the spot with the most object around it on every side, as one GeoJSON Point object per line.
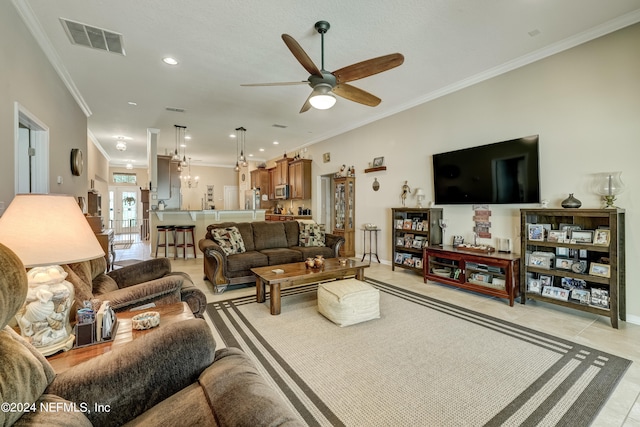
{"type": "Point", "coordinates": [398, 259]}
{"type": "Point", "coordinates": [378, 161]}
{"type": "Point", "coordinates": [545, 280]}
{"type": "Point", "coordinates": [535, 286]}
{"type": "Point", "coordinates": [536, 232]}
{"type": "Point", "coordinates": [399, 223]}
{"type": "Point", "coordinates": [569, 228]}
{"type": "Point", "coordinates": [417, 262]}
{"type": "Point", "coordinates": [557, 236]}
{"type": "Point", "coordinates": [560, 251]}
{"type": "Point", "coordinates": [540, 259]}
{"type": "Point", "coordinates": [582, 236]}
{"type": "Point", "coordinates": [600, 298]}
{"type": "Point", "coordinates": [419, 226]}
{"type": "Point", "coordinates": [602, 237]}
{"type": "Point", "coordinates": [407, 224]}
{"type": "Point", "coordinates": [579, 266]}
{"type": "Point", "coordinates": [583, 296]}
{"type": "Point", "coordinates": [600, 270]}
{"type": "Point", "coordinates": [399, 241]}
{"type": "Point", "coordinates": [563, 263]}
{"type": "Point", "coordinates": [556, 293]}
{"type": "Point", "coordinates": [571, 283]}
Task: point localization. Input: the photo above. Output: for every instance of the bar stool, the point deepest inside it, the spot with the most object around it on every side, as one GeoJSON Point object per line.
{"type": "Point", "coordinates": [164, 230]}
{"type": "Point", "coordinates": [185, 230]}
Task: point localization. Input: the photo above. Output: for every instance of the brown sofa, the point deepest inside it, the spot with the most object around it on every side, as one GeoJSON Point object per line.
{"type": "Point", "coordinates": [266, 243]}
{"type": "Point", "coordinates": [168, 377]}
{"type": "Point", "coordinates": [150, 281]}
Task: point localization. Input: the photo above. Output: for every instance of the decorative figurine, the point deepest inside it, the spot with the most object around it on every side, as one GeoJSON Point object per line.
{"type": "Point", "coordinates": [405, 190]}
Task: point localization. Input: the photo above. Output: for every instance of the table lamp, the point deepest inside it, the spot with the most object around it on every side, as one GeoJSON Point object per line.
{"type": "Point", "coordinates": [608, 185]}
{"type": "Point", "coordinates": [44, 230]}
{"type": "Point", "coordinates": [419, 193]}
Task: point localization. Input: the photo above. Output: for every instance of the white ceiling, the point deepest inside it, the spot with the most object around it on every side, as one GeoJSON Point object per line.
{"type": "Point", "coordinates": [221, 44]}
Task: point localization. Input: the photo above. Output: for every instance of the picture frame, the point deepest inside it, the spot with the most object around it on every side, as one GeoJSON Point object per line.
{"type": "Point", "coordinates": [602, 237]}
{"type": "Point", "coordinates": [535, 286]}
{"type": "Point", "coordinates": [583, 296]}
{"type": "Point", "coordinates": [563, 263]}
{"type": "Point", "coordinates": [579, 266]}
{"type": "Point", "coordinates": [572, 283]}
{"type": "Point", "coordinates": [417, 262]}
{"type": "Point", "coordinates": [377, 162]}
{"type": "Point", "coordinates": [540, 260]}
{"type": "Point", "coordinates": [557, 236]}
{"type": "Point", "coordinates": [600, 270]}
{"type": "Point", "coordinates": [399, 241]}
{"type": "Point", "coordinates": [569, 228]}
{"type": "Point", "coordinates": [545, 280]}
{"type": "Point", "coordinates": [562, 251]}
{"type": "Point", "coordinates": [599, 298]}
{"type": "Point", "coordinates": [399, 224]}
{"type": "Point", "coordinates": [582, 236]}
{"type": "Point", "coordinates": [556, 293]}
{"type": "Point", "coordinates": [535, 232]}
{"type": "Point", "coordinates": [398, 259]}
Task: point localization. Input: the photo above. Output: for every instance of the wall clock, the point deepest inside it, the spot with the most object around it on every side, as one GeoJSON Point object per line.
{"type": "Point", "coordinates": [243, 177]}
{"type": "Point", "coordinates": [76, 161]}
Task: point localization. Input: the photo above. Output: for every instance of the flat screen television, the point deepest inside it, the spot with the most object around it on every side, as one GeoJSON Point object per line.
{"type": "Point", "coordinates": [500, 173]}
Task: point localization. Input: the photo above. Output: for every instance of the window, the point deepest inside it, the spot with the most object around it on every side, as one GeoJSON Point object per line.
{"type": "Point", "coordinates": [127, 178]}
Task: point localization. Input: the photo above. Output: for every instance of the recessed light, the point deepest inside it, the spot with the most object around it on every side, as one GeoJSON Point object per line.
{"type": "Point", "coordinates": [261, 149]}
{"type": "Point", "coordinates": [187, 137]}
{"type": "Point", "coordinates": [275, 143]}
{"type": "Point", "coordinates": [169, 60]}
{"type": "Point", "coordinates": [132, 103]}
{"type": "Point", "coordinates": [232, 136]}
{"type": "Point", "coordinates": [250, 155]}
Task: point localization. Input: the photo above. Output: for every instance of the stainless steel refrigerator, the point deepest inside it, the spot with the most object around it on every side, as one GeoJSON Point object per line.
{"type": "Point", "coordinates": [252, 199]}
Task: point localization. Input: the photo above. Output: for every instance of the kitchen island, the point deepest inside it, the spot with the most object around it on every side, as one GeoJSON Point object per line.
{"type": "Point", "coordinates": [201, 219]}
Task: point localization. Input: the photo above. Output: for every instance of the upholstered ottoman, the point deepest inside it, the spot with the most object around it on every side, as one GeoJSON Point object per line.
{"type": "Point", "coordinates": [347, 302]}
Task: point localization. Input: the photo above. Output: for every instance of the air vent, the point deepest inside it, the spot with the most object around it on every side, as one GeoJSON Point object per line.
{"type": "Point", "coordinates": [175, 110]}
{"type": "Point", "coordinates": [93, 37]}
{"type": "Point", "coordinates": [279, 126]}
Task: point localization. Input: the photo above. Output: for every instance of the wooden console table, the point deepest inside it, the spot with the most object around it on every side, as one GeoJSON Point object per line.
{"type": "Point", "coordinates": [496, 274]}
{"type": "Point", "coordinates": [169, 313]}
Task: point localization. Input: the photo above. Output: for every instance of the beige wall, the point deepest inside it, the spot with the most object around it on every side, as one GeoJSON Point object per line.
{"type": "Point", "coordinates": [27, 77]}
{"type": "Point", "coordinates": [584, 103]}
{"type": "Point", "coordinates": [216, 176]}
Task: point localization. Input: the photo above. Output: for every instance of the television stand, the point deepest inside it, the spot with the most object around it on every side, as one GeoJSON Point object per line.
{"type": "Point", "coordinates": [489, 273]}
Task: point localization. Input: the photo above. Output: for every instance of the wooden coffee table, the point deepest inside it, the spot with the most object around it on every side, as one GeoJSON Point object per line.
{"type": "Point", "coordinates": [297, 273]}
{"type": "Point", "coordinates": [169, 313]}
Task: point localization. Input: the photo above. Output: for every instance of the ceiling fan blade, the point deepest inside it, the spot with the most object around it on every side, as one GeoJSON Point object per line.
{"type": "Point", "coordinates": [352, 93]}
{"type": "Point", "coordinates": [305, 82]}
{"type": "Point", "coordinates": [368, 68]}
{"type": "Point", "coordinates": [307, 105]}
{"type": "Point", "coordinates": [301, 55]}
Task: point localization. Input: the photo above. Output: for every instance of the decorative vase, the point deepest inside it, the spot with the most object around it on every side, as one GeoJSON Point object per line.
{"type": "Point", "coordinates": [310, 263]}
{"type": "Point", "coordinates": [319, 261]}
{"type": "Point", "coordinates": [571, 202]}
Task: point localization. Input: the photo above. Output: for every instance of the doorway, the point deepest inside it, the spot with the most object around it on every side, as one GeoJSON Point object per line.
{"type": "Point", "coordinates": [124, 215]}
{"type": "Point", "coordinates": [31, 153]}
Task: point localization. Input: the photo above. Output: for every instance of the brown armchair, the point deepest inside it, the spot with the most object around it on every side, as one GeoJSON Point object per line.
{"type": "Point", "coordinates": [170, 376]}
{"type": "Point", "coordinates": [133, 285]}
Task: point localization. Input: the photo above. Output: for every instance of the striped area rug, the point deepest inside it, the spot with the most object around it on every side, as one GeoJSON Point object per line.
{"type": "Point", "coordinates": [423, 363]}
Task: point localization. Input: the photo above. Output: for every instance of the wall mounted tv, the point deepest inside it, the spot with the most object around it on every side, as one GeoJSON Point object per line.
{"type": "Point", "coordinates": [499, 173]}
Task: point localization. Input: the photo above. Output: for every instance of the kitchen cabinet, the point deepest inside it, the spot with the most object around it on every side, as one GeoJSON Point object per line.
{"type": "Point", "coordinates": [260, 179]}
{"type": "Point", "coordinates": [300, 179]}
{"type": "Point", "coordinates": [282, 171]}
{"type": "Point", "coordinates": [272, 183]}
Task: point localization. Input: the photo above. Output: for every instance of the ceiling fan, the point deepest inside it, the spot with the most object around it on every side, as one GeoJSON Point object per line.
{"type": "Point", "coordinates": [325, 83]}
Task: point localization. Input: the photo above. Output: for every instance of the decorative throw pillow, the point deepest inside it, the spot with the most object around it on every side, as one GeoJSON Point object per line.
{"type": "Point", "coordinates": [311, 235]}
{"type": "Point", "coordinates": [229, 239]}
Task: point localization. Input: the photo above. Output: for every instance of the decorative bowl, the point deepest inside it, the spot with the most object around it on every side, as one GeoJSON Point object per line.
{"type": "Point", "coordinates": [146, 320]}
{"type": "Point", "coordinates": [369, 226]}
{"type": "Point", "coordinates": [443, 272]}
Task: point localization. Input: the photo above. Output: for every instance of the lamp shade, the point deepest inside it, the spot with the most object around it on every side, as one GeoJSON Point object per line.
{"type": "Point", "coordinates": [419, 192]}
{"type": "Point", "coordinates": [321, 97]}
{"type": "Point", "coordinates": [45, 229]}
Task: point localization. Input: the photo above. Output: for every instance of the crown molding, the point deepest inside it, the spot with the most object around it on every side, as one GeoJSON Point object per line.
{"type": "Point", "coordinates": [32, 23]}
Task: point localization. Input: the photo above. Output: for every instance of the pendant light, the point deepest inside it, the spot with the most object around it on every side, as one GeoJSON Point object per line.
{"type": "Point", "coordinates": [180, 131]}
{"type": "Point", "coordinates": [242, 160]}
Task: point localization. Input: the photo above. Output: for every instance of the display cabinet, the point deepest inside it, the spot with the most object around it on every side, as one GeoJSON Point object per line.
{"type": "Point", "coordinates": [575, 258]}
{"type": "Point", "coordinates": [344, 213]}
{"type": "Point", "coordinates": [489, 273]}
{"type": "Point", "coordinates": [413, 229]}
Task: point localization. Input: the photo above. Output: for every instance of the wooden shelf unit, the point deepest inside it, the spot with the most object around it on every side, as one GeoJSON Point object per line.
{"type": "Point", "coordinates": [432, 234]}
{"type": "Point", "coordinates": [494, 273]}
{"type": "Point", "coordinates": [614, 252]}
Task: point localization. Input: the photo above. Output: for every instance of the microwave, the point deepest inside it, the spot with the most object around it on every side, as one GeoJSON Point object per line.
{"type": "Point", "coordinates": [282, 192]}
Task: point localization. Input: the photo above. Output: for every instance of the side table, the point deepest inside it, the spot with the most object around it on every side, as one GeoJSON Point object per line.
{"type": "Point", "coordinates": [169, 313]}
{"type": "Point", "coordinates": [370, 232]}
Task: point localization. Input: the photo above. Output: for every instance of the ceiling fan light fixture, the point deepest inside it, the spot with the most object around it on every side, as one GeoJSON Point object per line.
{"type": "Point", "coordinates": [322, 98]}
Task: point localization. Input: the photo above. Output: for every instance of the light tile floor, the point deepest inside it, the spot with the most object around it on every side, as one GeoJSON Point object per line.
{"type": "Point", "coordinates": [622, 408]}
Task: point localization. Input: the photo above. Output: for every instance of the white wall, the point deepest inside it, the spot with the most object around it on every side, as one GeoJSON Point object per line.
{"type": "Point", "coordinates": [584, 103]}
